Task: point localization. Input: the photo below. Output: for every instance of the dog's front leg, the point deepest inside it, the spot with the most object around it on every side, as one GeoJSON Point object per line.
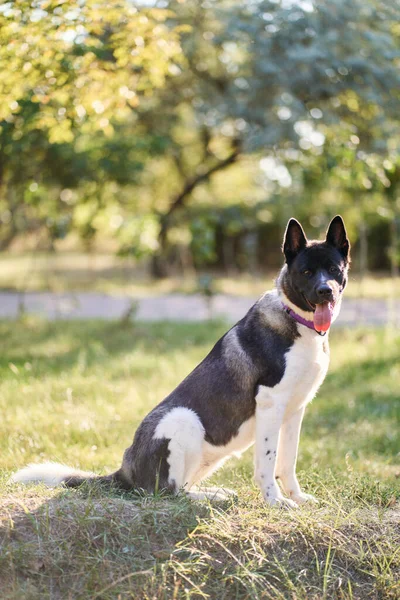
{"type": "Point", "coordinates": [287, 458]}
{"type": "Point", "coordinates": [269, 415]}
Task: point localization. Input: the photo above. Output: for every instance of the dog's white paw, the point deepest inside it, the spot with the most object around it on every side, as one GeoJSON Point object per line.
{"type": "Point", "coordinates": [229, 493]}
{"type": "Point", "coordinates": [281, 502]}
{"type": "Point", "coordinates": [222, 495]}
{"type": "Point", "coordinates": [302, 498]}
{"type": "Point", "coordinates": [215, 494]}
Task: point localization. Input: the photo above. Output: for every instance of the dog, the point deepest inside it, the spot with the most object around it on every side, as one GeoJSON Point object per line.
{"type": "Point", "coordinates": [253, 386]}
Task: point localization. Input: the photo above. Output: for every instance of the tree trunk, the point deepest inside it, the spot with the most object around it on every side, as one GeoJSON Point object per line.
{"type": "Point", "coordinates": [159, 266]}
{"type": "Point", "coordinates": [363, 250]}
{"type": "Point", "coordinates": [363, 266]}
{"type": "Point", "coordinates": [394, 246]}
{"type": "Point", "coordinates": [9, 231]}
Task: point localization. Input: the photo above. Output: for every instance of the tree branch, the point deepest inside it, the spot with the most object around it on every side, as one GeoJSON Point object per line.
{"type": "Point", "coordinates": [191, 184]}
{"type": "Point", "coordinates": [159, 262]}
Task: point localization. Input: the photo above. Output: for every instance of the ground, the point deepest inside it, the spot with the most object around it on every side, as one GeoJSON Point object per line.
{"type": "Point", "coordinates": [75, 392]}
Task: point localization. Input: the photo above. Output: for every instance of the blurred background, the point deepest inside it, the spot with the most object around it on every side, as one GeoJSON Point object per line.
{"type": "Point", "coordinates": [158, 147]}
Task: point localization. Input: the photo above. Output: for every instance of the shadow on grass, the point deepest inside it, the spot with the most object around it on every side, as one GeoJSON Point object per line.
{"type": "Point", "coordinates": [78, 545]}
{"type": "Point", "coordinates": [58, 346]}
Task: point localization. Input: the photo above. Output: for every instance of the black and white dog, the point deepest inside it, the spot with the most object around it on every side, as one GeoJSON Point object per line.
{"type": "Point", "coordinates": [254, 385]}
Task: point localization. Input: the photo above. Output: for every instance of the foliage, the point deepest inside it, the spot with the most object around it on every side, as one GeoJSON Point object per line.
{"type": "Point", "coordinates": [323, 63]}
{"type": "Point", "coordinates": [73, 75]}
{"type": "Point", "coordinates": [307, 85]}
{"type": "Point", "coordinates": [83, 64]}
{"type": "Point", "coordinates": [124, 116]}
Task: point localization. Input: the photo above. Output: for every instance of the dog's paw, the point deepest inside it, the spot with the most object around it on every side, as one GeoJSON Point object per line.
{"type": "Point", "coordinates": [229, 493]}
{"type": "Point", "coordinates": [281, 502]}
{"type": "Point", "coordinates": [302, 498]}
{"type": "Point", "coordinates": [223, 495]}
{"type": "Point", "coordinates": [215, 494]}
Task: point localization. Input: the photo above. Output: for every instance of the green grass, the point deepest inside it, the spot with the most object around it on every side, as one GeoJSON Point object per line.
{"type": "Point", "coordinates": [68, 271]}
{"type": "Point", "coordinates": [75, 392]}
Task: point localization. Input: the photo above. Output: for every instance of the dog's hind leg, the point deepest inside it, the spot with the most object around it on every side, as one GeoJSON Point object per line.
{"type": "Point", "coordinates": [184, 432]}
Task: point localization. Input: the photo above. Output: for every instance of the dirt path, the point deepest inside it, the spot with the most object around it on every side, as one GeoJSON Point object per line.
{"type": "Point", "coordinates": [172, 307]}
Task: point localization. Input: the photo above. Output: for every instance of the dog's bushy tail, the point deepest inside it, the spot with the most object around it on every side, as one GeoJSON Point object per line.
{"type": "Point", "coordinates": [54, 474]}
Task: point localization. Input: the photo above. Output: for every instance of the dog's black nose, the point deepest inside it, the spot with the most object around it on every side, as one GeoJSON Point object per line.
{"type": "Point", "coordinates": [325, 292]}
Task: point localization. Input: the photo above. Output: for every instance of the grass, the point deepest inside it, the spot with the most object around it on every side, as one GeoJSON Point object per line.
{"type": "Point", "coordinates": [66, 272]}
{"type": "Point", "coordinates": [75, 392]}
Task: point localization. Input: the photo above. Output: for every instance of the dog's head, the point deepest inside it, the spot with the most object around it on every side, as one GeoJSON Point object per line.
{"type": "Point", "coordinates": [316, 270]}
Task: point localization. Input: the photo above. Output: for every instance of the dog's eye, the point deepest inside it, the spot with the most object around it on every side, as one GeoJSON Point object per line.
{"type": "Point", "coordinates": [333, 269]}
{"type": "Point", "coordinates": [307, 273]}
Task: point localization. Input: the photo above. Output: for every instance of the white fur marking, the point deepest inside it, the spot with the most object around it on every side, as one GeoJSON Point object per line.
{"type": "Point", "coordinates": [213, 457]}
{"type": "Point", "coordinates": [306, 367]}
{"type": "Point", "coordinates": [186, 434]}
{"type": "Point", "coordinates": [305, 314]}
{"type": "Point", "coordinates": [287, 454]}
{"type": "Point", "coordinates": [264, 398]}
{"type": "Point", "coordinates": [269, 416]}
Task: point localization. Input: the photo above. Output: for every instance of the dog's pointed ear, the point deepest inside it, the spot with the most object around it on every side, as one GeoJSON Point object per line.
{"type": "Point", "coordinates": [336, 236]}
{"type": "Point", "coordinates": [294, 240]}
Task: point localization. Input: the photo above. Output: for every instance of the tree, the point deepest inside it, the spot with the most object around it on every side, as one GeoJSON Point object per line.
{"type": "Point", "coordinates": [142, 111]}
{"type": "Point", "coordinates": [73, 75]}
{"type": "Point", "coordinates": [261, 74]}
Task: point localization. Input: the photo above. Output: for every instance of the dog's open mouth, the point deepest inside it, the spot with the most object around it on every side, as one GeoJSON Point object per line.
{"type": "Point", "coordinates": [323, 314]}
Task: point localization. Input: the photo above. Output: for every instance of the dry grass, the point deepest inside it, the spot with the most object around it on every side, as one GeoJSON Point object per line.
{"type": "Point", "coordinates": [77, 545]}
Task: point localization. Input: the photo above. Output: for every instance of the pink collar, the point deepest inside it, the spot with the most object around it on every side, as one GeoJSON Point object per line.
{"type": "Point", "coordinates": [301, 320]}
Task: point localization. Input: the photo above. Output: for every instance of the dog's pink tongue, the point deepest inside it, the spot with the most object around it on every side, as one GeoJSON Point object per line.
{"type": "Point", "coordinates": [323, 316]}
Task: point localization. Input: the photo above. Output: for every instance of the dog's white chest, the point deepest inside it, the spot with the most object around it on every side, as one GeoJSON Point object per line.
{"type": "Point", "coordinates": [306, 366]}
